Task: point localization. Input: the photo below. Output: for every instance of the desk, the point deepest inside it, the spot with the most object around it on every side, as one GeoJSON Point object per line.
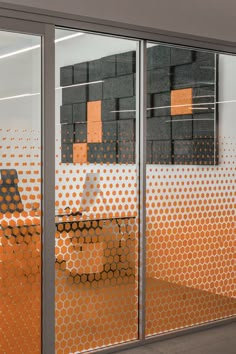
{"type": "Point", "coordinates": [98, 248]}
{"type": "Point", "coordinates": [88, 248]}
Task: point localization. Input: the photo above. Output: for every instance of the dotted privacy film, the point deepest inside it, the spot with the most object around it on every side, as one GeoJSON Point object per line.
{"type": "Point", "coordinates": [20, 242]}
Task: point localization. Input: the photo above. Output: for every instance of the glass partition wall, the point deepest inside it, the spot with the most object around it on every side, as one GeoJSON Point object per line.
{"type": "Point", "coordinates": [188, 174]}
{"type": "Point", "coordinates": [96, 244]}
{"type": "Point", "coordinates": [20, 193]}
{"type": "Point", "coordinates": [190, 181]}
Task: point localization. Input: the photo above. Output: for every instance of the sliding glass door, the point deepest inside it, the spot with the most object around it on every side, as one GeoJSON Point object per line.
{"type": "Point", "coordinates": [96, 243]}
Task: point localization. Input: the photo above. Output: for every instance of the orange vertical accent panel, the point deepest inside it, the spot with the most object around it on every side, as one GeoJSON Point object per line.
{"type": "Point", "coordinates": [94, 111]}
{"type": "Point", "coordinates": [94, 132]}
{"type": "Point", "coordinates": [181, 101]}
{"type": "Point", "coordinates": [80, 153]}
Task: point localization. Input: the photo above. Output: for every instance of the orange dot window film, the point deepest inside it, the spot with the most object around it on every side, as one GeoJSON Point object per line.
{"type": "Point", "coordinates": [181, 101]}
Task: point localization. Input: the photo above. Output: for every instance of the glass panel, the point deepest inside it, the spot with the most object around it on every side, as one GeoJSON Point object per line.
{"type": "Point", "coordinates": [20, 193]}
{"type": "Point", "coordinates": [96, 192]}
{"type": "Point", "coordinates": [191, 144]}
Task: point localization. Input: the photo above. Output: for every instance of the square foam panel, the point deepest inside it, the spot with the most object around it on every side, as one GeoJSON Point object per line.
{"type": "Point", "coordinates": [183, 76]}
{"type": "Point", "coordinates": [182, 127]}
{"type": "Point", "coordinates": [126, 152]}
{"type": "Point", "coordinates": [94, 70]}
{"type": "Point", "coordinates": [94, 111]}
{"type": "Point", "coordinates": [67, 133]}
{"type": "Point", "coordinates": [203, 125]}
{"type": "Point", "coordinates": [66, 75]}
{"type": "Point", "coordinates": [80, 73]}
{"type": "Point", "coordinates": [204, 97]}
{"type": "Point", "coordinates": [80, 132]}
{"type": "Point", "coordinates": [158, 57]}
{"type": "Point", "coordinates": [158, 80]}
{"type": "Point", "coordinates": [126, 130]}
{"type": "Point", "coordinates": [203, 73]}
{"type": "Point", "coordinates": [162, 152]}
{"type": "Point", "coordinates": [209, 58]}
{"type": "Point", "coordinates": [108, 66]}
{"type": "Point", "coordinates": [181, 56]}
{"type": "Point", "coordinates": [80, 153]}
{"type": "Point", "coordinates": [94, 132]}
{"type": "Point", "coordinates": [66, 153]}
{"type": "Point", "coordinates": [108, 109]}
{"type": "Point", "coordinates": [161, 104]}
{"type": "Point", "coordinates": [159, 128]}
{"type": "Point", "coordinates": [66, 114]}
{"type": "Point", "coordinates": [125, 63]}
{"type": "Point", "coordinates": [74, 94]}
{"type": "Point", "coordinates": [103, 152]}
{"type": "Point", "coordinates": [181, 101]}
{"type": "Point", "coordinates": [109, 131]}
{"type": "Point", "coordinates": [79, 112]}
{"type": "Point", "coordinates": [128, 106]}
{"type": "Point", "coordinates": [118, 87]}
{"type": "Point", "coordinates": [95, 91]}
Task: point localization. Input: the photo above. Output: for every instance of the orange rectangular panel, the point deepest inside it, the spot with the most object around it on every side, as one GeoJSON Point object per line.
{"type": "Point", "coordinates": [181, 101]}
{"type": "Point", "coordinates": [80, 153]}
{"type": "Point", "coordinates": [94, 111]}
{"type": "Point", "coordinates": [94, 132]}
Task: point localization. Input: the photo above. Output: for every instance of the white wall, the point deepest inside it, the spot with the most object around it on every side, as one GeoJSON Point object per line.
{"type": "Point", "coordinates": [209, 18]}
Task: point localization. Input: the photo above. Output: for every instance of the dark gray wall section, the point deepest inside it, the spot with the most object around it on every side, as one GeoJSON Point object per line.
{"type": "Point", "coordinates": [66, 75]}
{"type": "Point", "coordinates": [80, 133]}
{"type": "Point", "coordinates": [74, 94]}
{"type": "Point", "coordinates": [118, 87]}
{"type": "Point", "coordinates": [95, 91]}
{"type": "Point", "coordinates": [108, 108]}
{"type": "Point", "coordinates": [102, 152]}
{"type": "Point", "coordinates": [158, 80]}
{"type": "Point", "coordinates": [181, 56]}
{"type": "Point", "coordinates": [127, 104]}
{"type": "Point", "coordinates": [158, 57]}
{"type": "Point", "coordinates": [125, 63]}
{"type": "Point", "coordinates": [67, 133]}
{"type": "Point", "coordinates": [66, 153]}
{"type": "Point", "coordinates": [203, 125]}
{"type": "Point", "coordinates": [80, 73]}
{"type": "Point", "coordinates": [126, 151]}
{"type": "Point", "coordinates": [182, 127]}
{"type": "Point", "coordinates": [159, 128]}
{"type": "Point", "coordinates": [66, 114]}
{"type": "Point", "coordinates": [162, 103]}
{"type": "Point", "coordinates": [79, 112]}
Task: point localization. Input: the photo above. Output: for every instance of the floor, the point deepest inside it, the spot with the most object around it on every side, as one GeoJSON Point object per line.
{"type": "Point", "coordinates": [218, 340]}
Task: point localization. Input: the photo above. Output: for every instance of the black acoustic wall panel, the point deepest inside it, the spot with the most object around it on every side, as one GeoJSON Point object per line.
{"type": "Point", "coordinates": [66, 116]}
{"type": "Point", "coordinates": [79, 112]}
{"type": "Point", "coordinates": [74, 94]}
{"type": "Point", "coordinates": [125, 63]}
{"type": "Point", "coordinates": [66, 75]}
{"type": "Point", "coordinates": [174, 135]}
{"type": "Point", "coordinates": [158, 57]}
{"type": "Point", "coordinates": [80, 73]}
